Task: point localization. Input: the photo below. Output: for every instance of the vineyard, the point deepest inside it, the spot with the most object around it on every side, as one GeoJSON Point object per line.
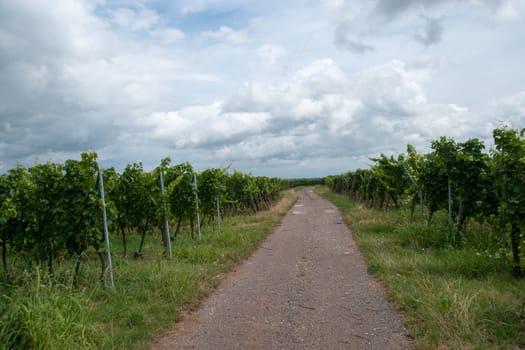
{"type": "Point", "coordinates": [459, 182]}
{"type": "Point", "coordinates": [51, 212]}
{"type": "Point", "coordinates": [447, 256]}
{"type": "Point", "coordinates": [171, 231]}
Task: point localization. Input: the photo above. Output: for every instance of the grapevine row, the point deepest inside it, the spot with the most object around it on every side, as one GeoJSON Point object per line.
{"type": "Point", "coordinates": [460, 178]}
{"type": "Point", "coordinates": [53, 211]}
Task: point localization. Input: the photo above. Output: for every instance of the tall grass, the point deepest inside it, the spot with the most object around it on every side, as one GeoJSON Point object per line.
{"type": "Point", "coordinates": [451, 296]}
{"type": "Point", "coordinates": [46, 316]}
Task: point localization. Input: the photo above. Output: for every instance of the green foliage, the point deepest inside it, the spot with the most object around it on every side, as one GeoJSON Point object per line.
{"type": "Point", "coordinates": [45, 239]}
{"type": "Point", "coordinates": [141, 197]}
{"type": "Point", "coordinates": [212, 185]}
{"type": "Point", "coordinates": [18, 192]}
{"type": "Point", "coordinates": [241, 191]}
{"type": "Point", "coordinates": [457, 178]}
{"type": "Point", "coordinates": [509, 171]}
{"type": "Point", "coordinates": [180, 191]}
{"type": "Point", "coordinates": [509, 167]}
{"type": "Point", "coordinates": [391, 178]}
{"type": "Point", "coordinates": [245, 192]}
{"type": "Point", "coordinates": [436, 174]}
{"type": "Point", "coordinates": [7, 207]}
{"type": "Point", "coordinates": [81, 218]}
{"type": "Point", "coordinates": [470, 179]}
{"type": "Point", "coordinates": [50, 211]}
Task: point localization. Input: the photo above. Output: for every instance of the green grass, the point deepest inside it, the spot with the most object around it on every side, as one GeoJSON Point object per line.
{"type": "Point", "coordinates": [150, 294]}
{"type": "Point", "coordinates": [450, 298]}
{"type": "Point", "coordinates": [47, 316]}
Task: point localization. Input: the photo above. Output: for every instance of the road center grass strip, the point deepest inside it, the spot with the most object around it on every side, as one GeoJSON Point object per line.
{"type": "Point", "coordinates": [449, 298]}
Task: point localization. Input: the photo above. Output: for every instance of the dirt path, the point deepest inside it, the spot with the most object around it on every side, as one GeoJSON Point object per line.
{"type": "Point", "coordinates": [305, 288]}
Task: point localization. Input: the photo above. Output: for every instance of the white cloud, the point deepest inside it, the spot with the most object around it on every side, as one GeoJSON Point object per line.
{"type": "Point", "coordinates": [296, 98]}
{"type": "Point", "coordinates": [509, 110]}
{"type": "Point", "coordinates": [136, 20]}
{"type": "Point", "coordinates": [319, 112]}
{"type": "Point", "coordinates": [168, 35]}
{"type": "Point", "coordinates": [504, 9]}
{"type": "Point", "coordinates": [201, 126]}
{"type": "Point", "coordinates": [271, 53]}
{"type": "Point", "coordinates": [333, 5]}
{"type": "Point", "coordinates": [393, 89]}
{"type": "Point", "coordinates": [511, 10]}
{"type": "Point", "coordinates": [137, 82]}
{"type": "Point", "coordinates": [75, 83]}
{"type": "Point", "coordinates": [192, 7]}
{"type": "Point", "coordinates": [228, 34]}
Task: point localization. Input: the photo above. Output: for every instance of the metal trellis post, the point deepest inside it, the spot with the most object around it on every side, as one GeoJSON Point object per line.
{"type": "Point", "coordinates": [218, 213]}
{"type": "Point", "coordinates": [197, 204]}
{"type": "Point", "coordinates": [106, 234]}
{"type": "Point", "coordinates": [167, 238]}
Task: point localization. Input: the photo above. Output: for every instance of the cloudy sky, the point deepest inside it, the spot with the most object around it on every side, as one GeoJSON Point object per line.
{"type": "Point", "coordinates": [296, 88]}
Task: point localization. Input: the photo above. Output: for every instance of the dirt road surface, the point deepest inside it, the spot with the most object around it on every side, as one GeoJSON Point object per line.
{"type": "Point", "coordinates": [306, 288]}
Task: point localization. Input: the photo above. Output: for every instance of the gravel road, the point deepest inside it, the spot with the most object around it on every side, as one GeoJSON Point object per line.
{"type": "Point", "coordinates": [305, 288]}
